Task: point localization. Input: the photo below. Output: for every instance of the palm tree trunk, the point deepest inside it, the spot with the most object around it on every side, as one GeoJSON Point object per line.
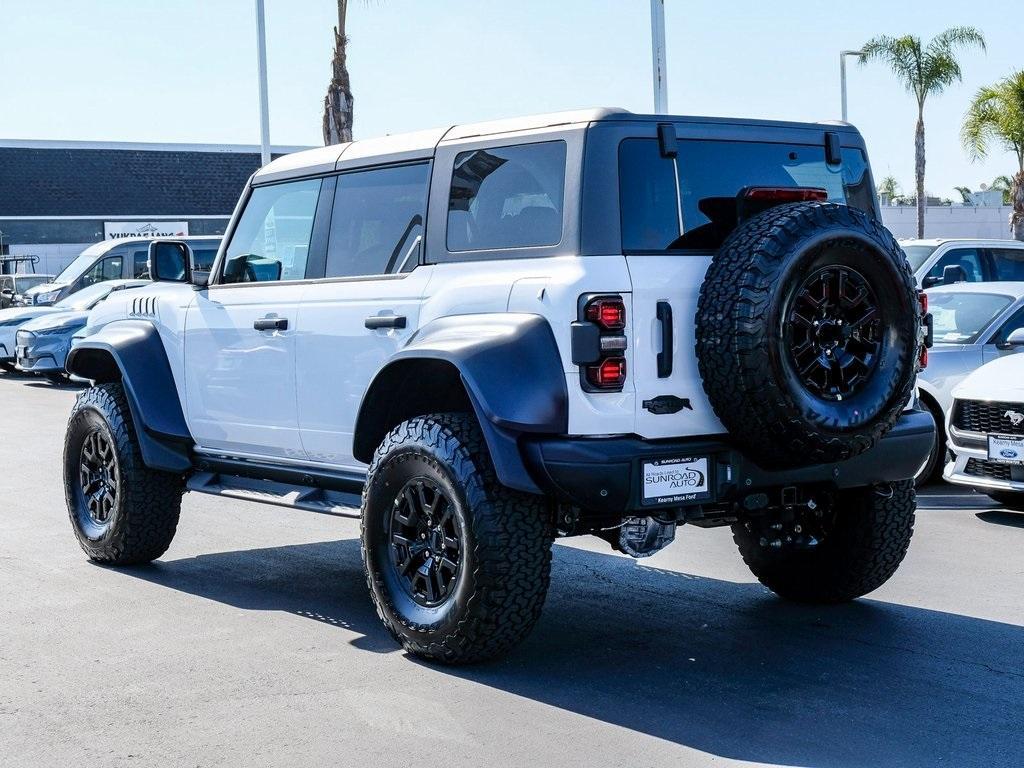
{"type": "Point", "coordinates": [338, 101]}
{"type": "Point", "coordinates": [1017, 201]}
{"type": "Point", "coordinates": [919, 170]}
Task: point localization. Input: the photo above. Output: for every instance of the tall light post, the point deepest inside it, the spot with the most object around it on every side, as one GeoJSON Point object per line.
{"type": "Point", "coordinates": [261, 62]}
{"type": "Point", "coordinates": [659, 73]}
{"type": "Point", "coordinates": [842, 76]}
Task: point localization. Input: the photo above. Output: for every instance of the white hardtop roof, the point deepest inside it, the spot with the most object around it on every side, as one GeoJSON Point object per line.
{"type": "Point", "coordinates": [943, 240]}
{"type": "Point", "coordinates": [1003, 288]}
{"type": "Point", "coordinates": [421, 144]}
{"type": "Point", "coordinates": [98, 249]}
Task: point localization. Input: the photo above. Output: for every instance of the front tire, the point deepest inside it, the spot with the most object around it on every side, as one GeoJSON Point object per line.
{"type": "Point", "coordinates": [122, 512]}
{"type": "Point", "coordinates": [458, 566]}
{"type": "Point", "coordinates": [864, 544]}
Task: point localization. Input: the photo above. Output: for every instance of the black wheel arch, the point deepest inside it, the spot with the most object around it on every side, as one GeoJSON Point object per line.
{"type": "Point", "coordinates": [132, 353]}
{"type": "Point", "coordinates": [471, 363]}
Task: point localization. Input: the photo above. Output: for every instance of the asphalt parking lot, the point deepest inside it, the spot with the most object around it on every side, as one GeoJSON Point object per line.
{"type": "Point", "coordinates": [253, 641]}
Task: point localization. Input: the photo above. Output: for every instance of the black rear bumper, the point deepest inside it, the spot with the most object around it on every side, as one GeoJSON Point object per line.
{"type": "Point", "coordinates": [604, 474]}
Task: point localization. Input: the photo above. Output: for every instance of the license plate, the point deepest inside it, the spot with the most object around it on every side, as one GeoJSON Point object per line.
{"type": "Point", "coordinates": [1006, 449]}
{"type": "Point", "coordinates": [676, 480]}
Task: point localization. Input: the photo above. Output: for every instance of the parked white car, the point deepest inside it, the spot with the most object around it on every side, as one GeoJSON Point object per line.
{"type": "Point", "coordinates": [986, 430]}
{"type": "Point", "coordinates": [972, 324]}
{"type": "Point", "coordinates": [970, 261]}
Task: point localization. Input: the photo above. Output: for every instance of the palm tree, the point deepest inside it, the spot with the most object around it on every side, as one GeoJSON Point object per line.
{"type": "Point", "coordinates": [338, 101]}
{"type": "Point", "coordinates": [1004, 184]}
{"type": "Point", "coordinates": [965, 194]}
{"type": "Point", "coordinates": [924, 70]}
{"type": "Point", "coordinates": [997, 114]}
{"type": "Point", "coordinates": [889, 188]}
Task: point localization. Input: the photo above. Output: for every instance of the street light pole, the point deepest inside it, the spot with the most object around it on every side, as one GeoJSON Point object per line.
{"type": "Point", "coordinates": [658, 56]}
{"type": "Point", "coordinates": [842, 76]}
{"type": "Point", "coordinates": [261, 60]}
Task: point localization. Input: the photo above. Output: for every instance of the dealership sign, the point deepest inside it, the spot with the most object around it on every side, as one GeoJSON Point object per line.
{"type": "Point", "coordinates": [115, 230]}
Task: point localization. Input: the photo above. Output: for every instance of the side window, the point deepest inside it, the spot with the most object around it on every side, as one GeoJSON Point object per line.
{"type": "Point", "coordinates": [6, 284]}
{"type": "Point", "coordinates": [967, 258]}
{"type": "Point", "coordinates": [140, 264]}
{"type": "Point", "coordinates": [1008, 263]}
{"type": "Point", "coordinates": [203, 258]}
{"type": "Point", "coordinates": [377, 221]}
{"type": "Point", "coordinates": [507, 197]}
{"type": "Point", "coordinates": [271, 241]}
{"type": "Point", "coordinates": [109, 268]}
{"type": "Point", "coordinates": [1016, 321]}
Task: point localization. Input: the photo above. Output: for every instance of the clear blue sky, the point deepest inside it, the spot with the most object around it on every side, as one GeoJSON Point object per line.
{"type": "Point", "coordinates": [184, 70]}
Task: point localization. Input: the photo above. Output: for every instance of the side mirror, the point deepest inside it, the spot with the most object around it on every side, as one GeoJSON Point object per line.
{"type": "Point", "coordinates": [931, 281]}
{"type": "Point", "coordinates": [953, 273]}
{"type": "Point", "coordinates": [1016, 338]}
{"type": "Point", "coordinates": [170, 261]}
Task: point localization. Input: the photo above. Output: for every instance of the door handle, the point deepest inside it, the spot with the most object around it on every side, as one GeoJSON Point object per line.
{"type": "Point", "coordinates": [375, 322]}
{"type": "Point", "coordinates": [664, 314]}
{"type": "Point", "coordinates": [271, 324]}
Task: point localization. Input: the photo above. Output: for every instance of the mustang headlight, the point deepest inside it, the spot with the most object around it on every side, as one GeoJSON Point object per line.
{"type": "Point", "coordinates": [47, 298]}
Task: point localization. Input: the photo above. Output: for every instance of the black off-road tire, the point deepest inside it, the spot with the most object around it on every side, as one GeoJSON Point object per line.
{"type": "Point", "coordinates": [505, 535]}
{"type": "Point", "coordinates": [7, 367]}
{"type": "Point", "coordinates": [931, 469]}
{"type": "Point", "coordinates": [866, 544]}
{"type": "Point", "coordinates": [144, 514]}
{"type": "Point", "coordinates": [744, 336]}
{"type": "Point", "coordinates": [1008, 499]}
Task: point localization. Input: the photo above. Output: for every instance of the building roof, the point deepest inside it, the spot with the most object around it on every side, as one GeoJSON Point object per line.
{"type": "Point", "coordinates": [68, 178]}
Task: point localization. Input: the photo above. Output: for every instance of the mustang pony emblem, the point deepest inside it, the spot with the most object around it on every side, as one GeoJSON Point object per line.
{"type": "Point", "coordinates": [1015, 418]}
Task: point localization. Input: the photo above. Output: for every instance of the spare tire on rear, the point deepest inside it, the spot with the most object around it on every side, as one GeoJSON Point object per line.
{"type": "Point", "coordinates": [807, 334]}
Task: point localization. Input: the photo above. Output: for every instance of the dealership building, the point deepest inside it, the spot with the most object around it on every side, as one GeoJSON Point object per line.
{"type": "Point", "coordinates": [58, 197]}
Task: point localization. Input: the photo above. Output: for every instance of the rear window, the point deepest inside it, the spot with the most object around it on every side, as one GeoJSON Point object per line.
{"type": "Point", "coordinates": [697, 211]}
{"type": "Point", "coordinates": [507, 197]}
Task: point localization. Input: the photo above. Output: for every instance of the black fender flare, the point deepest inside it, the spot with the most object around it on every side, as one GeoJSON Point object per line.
{"type": "Point", "coordinates": [512, 372]}
{"type": "Point", "coordinates": [132, 352]}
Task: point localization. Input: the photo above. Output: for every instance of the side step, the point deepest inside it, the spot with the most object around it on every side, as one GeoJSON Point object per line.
{"type": "Point", "coordinates": [319, 500]}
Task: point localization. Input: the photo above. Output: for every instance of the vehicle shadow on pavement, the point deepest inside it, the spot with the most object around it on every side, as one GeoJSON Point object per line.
{"type": "Point", "coordinates": [720, 667]}
{"type": "Point", "coordinates": [1002, 517]}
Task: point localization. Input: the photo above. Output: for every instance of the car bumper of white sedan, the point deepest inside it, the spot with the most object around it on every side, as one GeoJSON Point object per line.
{"type": "Point", "coordinates": [972, 467]}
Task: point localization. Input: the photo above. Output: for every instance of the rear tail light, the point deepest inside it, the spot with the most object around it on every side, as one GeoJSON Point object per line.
{"type": "Point", "coordinates": [602, 340]}
{"type": "Point", "coordinates": [927, 332]}
{"type": "Point", "coordinates": [610, 373]}
{"type": "Point", "coordinates": [610, 314]}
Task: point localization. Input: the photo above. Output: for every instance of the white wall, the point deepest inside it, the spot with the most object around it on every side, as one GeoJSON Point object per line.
{"type": "Point", "coordinates": [52, 257]}
{"type": "Point", "coordinates": [949, 221]}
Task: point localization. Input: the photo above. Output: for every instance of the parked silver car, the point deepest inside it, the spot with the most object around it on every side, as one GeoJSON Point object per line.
{"type": "Point", "coordinates": [947, 261]}
{"type": "Point", "coordinates": [972, 322]}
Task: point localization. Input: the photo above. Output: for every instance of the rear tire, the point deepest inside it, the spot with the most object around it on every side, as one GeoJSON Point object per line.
{"type": "Point", "coordinates": [122, 512]}
{"type": "Point", "coordinates": [457, 565]}
{"type": "Point", "coordinates": [868, 539]}
{"type": "Point", "coordinates": [931, 470]}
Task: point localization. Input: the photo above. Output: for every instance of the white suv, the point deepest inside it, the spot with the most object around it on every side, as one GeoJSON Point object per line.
{"type": "Point", "coordinates": [588, 322]}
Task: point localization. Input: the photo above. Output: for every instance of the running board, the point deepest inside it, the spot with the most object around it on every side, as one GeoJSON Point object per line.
{"type": "Point", "coordinates": [325, 502]}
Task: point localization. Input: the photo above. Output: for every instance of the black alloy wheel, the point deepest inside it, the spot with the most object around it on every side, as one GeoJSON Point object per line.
{"type": "Point", "coordinates": [98, 480]}
{"type": "Point", "coordinates": [426, 542]}
{"type": "Point", "coordinates": [834, 332]}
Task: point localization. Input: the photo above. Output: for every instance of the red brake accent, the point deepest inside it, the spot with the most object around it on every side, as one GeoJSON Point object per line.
{"type": "Point", "coordinates": [610, 373]}
{"type": "Point", "coordinates": [610, 314]}
{"type": "Point", "coordinates": [787, 194]}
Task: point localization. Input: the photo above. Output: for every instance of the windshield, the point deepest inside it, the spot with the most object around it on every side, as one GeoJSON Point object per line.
{"type": "Point", "coordinates": [86, 298]}
{"type": "Point", "coordinates": [961, 317]}
{"type": "Point", "coordinates": [75, 269]}
{"type": "Point", "coordinates": [918, 254]}
{"type": "Point", "coordinates": [24, 283]}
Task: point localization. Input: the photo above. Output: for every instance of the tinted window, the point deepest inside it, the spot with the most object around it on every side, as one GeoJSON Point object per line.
{"type": "Point", "coordinates": [967, 258]}
{"type": "Point", "coordinates": [140, 263]}
{"type": "Point", "coordinates": [271, 241]}
{"type": "Point", "coordinates": [377, 222]}
{"type": "Point", "coordinates": [711, 174]}
{"type": "Point", "coordinates": [918, 254]}
{"type": "Point", "coordinates": [961, 317]}
{"type": "Point", "coordinates": [109, 268]}
{"type": "Point", "coordinates": [203, 258]}
{"type": "Point", "coordinates": [6, 284]}
{"type": "Point", "coordinates": [1008, 263]}
{"type": "Point", "coordinates": [1015, 322]}
{"type": "Point", "coordinates": [507, 197]}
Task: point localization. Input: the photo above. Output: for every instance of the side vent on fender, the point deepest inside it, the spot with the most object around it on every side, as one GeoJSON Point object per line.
{"type": "Point", "coordinates": [143, 306]}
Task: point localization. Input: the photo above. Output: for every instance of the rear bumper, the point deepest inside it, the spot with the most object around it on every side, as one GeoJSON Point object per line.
{"type": "Point", "coordinates": [604, 474]}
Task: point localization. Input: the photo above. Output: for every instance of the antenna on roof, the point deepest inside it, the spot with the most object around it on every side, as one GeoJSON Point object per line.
{"type": "Point", "coordinates": [659, 72]}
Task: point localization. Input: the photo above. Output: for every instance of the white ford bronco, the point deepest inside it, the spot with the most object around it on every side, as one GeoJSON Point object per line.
{"type": "Point", "coordinates": [582, 323]}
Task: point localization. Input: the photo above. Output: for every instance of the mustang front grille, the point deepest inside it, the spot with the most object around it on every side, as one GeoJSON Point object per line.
{"type": "Point", "coordinates": [988, 417]}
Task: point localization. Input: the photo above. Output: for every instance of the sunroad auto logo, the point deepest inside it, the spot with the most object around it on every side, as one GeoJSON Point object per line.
{"type": "Point", "coordinates": [678, 480]}
{"type": "Point", "coordinates": [115, 230]}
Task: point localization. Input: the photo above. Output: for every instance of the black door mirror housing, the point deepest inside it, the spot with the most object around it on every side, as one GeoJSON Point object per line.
{"type": "Point", "coordinates": [953, 273]}
{"type": "Point", "coordinates": [170, 261]}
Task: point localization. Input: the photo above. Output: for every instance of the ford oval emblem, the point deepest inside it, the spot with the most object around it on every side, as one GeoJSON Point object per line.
{"type": "Point", "coordinates": [1008, 453]}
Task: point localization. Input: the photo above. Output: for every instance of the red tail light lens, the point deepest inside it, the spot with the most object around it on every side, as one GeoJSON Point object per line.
{"type": "Point", "coordinates": [922, 358]}
{"type": "Point", "coordinates": [787, 194]}
{"type": "Point", "coordinates": [922, 300]}
{"type": "Point", "coordinates": [610, 314]}
{"type": "Point", "coordinates": [610, 373]}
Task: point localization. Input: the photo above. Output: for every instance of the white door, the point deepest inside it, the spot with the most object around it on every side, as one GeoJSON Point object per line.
{"type": "Point", "coordinates": [367, 306]}
{"type": "Point", "coordinates": [240, 333]}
